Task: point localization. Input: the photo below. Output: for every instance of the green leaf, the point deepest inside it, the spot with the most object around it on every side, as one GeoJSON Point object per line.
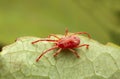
{"type": "Point", "coordinates": [17, 61]}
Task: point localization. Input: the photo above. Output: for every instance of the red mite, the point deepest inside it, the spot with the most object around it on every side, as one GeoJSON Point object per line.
{"type": "Point", "coordinates": [67, 42]}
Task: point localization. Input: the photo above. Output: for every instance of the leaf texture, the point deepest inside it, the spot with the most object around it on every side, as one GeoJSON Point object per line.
{"type": "Point", "coordinates": [17, 61]}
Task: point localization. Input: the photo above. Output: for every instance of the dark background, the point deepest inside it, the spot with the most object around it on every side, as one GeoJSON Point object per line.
{"type": "Point", "coordinates": [100, 18]}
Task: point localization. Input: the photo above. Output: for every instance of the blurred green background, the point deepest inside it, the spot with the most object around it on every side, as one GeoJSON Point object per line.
{"type": "Point", "coordinates": [100, 18]}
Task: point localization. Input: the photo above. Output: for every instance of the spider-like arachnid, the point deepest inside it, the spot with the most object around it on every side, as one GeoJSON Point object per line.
{"type": "Point", "coordinates": [66, 42]}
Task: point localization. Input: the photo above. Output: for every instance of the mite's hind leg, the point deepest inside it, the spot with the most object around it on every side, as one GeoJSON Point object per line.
{"type": "Point", "coordinates": [57, 52]}
{"type": "Point", "coordinates": [87, 46]}
{"type": "Point", "coordinates": [45, 53]}
{"type": "Point", "coordinates": [75, 53]}
{"type": "Point", "coordinates": [82, 33]}
{"type": "Point", "coordinates": [53, 36]}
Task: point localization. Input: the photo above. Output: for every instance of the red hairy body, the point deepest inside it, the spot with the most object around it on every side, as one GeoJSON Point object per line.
{"type": "Point", "coordinates": [67, 42]}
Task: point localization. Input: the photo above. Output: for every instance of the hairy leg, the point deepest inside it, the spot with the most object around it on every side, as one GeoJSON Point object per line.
{"type": "Point", "coordinates": [75, 53]}
{"type": "Point", "coordinates": [45, 53]}
{"type": "Point", "coordinates": [83, 45]}
{"type": "Point", "coordinates": [53, 36]}
{"type": "Point", "coordinates": [82, 33]}
{"type": "Point", "coordinates": [44, 40]}
{"type": "Point", "coordinates": [58, 51]}
{"type": "Point", "coordinates": [66, 32]}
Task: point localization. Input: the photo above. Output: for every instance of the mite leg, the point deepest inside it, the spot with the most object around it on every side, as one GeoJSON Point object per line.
{"type": "Point", "coordinates": [45, 53]}
{"type": "Point", "coordinates": [58, 51]}
{"type": "Point", "coordinates": [83, 45]}
{"type": "Point", "coordinates": [66, 32]}
{"type": "Point", "coordinates": [53, 36]}
{"type": "Point", "coordinates": [43, 40]}
{"type": "Point", "coordinates": [75, 53]}
{"type": "Point", "coordinates": [82, 33]}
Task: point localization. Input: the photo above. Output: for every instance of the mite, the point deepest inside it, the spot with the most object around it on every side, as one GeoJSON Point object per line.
{"type": "Point", "coordinates": [69, 42]}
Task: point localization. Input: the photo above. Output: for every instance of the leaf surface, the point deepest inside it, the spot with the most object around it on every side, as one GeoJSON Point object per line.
{"type": "Point", "coordinates": [17, 61]}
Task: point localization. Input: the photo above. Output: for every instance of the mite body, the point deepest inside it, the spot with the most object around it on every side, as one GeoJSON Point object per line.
{"type": "Point", "coordinates": [66, 42]}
